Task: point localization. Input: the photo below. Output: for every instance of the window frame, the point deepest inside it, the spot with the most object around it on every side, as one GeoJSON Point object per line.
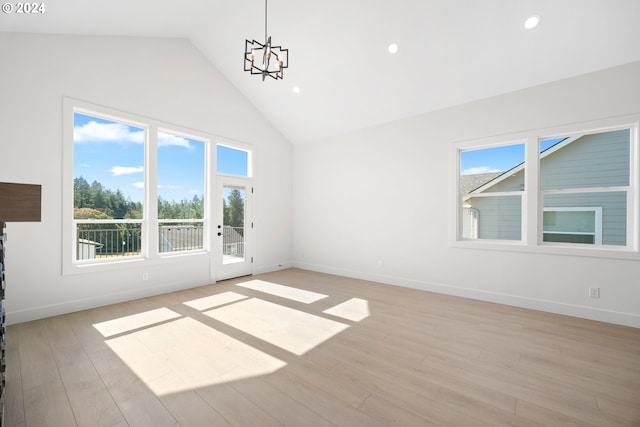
{"type": "Point", "coordinates": [532, 202]}
{"type": "Point", "coordinates": [150, 251]}
{"type": "Point", "coordinates": [494, 194]}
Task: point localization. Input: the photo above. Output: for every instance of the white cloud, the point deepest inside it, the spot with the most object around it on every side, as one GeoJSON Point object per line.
{"type": "Point", "coordinates": [479, 169]}
{"type": "Point", "coordinates": [125, 170]}
{"type": "Point", "coordinates": [107, 132]}
{"type": "Point", "coordinates": [139, 184]}
{"type": "Point", "coordinates": [165, 140]}
{"type": "Point", "coordinates": [194, 191]}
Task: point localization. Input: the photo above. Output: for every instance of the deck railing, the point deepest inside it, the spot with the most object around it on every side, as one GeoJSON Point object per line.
{"type": "Point", "coordinates": [108, 240]}
{"type": "Point", "coordinates": [103, 239]}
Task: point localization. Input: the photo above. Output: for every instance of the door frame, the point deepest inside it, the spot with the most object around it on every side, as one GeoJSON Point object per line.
{"type": "Point", "coordinates": [220, 270]}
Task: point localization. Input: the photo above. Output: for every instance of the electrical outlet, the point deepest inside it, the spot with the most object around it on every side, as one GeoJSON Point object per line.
{"type": "Point", "coordinates": [594, 292]}
{"type": "Point", "coordinates": [380, 264]}
{"type": "Point", "coordinates": [145, 276]}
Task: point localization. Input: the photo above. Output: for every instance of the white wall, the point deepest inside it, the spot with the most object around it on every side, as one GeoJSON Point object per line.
{"type": "Point", "coordinates": [163, 79]}
{"type": "Point", "coordinates": [382, 194]}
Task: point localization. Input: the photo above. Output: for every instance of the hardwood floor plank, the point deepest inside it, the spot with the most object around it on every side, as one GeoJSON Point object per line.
{"type": "Point", "coordinates": [90, 400]}
{"type": "Point", "coordinates": [392, 415]}
{"type": "Point", "coordinates": [189, 409]}
{"type": "Point", "coordinates": [47, 405]}
{"type": "Point", "coordinates": [278, 405]}
{"type": "Point", "coordinates": [13, 400]}
{"type": "Point", "coordinates": [236, 409]}
{"type": "Point", "coordinates": [477, 408]}
{"type": "Point", "coordinates": [341, 389]}
{"type": "Point", "coordinates": [331, 408]}
{"type": "Point", "coordinates": [547, 417]}
{"type": "Point", "coordinates": [137, 403]}
{"type": "Point", "coordinates": [37, 364]}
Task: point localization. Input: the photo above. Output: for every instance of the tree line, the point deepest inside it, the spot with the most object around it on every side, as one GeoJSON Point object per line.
{"type": "Point", "coordinates": [94, 201]}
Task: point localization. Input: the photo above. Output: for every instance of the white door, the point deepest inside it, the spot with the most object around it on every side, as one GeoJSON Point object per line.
{"type": "Point", "coordinates": [234, 228]}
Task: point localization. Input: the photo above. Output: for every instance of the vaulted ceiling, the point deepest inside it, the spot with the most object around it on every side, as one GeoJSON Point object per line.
{"type": "Point", "coordinates": [450, 51]}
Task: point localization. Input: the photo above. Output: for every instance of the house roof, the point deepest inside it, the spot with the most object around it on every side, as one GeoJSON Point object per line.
{"type": "Point", "coordinates": [450, 52]}
{"type": "Point", "coordinates": [468, 183]}
{"type": "Point", "coordinates": [507, 174]}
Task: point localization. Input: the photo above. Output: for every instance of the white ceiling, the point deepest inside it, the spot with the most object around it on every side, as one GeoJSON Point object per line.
{"type": "Point", "coordinates": [451, 51]}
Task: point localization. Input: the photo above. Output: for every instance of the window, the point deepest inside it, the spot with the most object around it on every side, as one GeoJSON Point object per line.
{"type": "Point", "coordinates": [574, 190]}
{"type": "Point", "coordinates": [491, 192]}
{"type": "Point", "coordinates": [233, 161]}
{"type": "Point", "coordinates": [588, 169]}
{"type": "Point", "coordinates": [181, 196]}
{"type": "Point", "coordinates": [139, 188]}
{"type": "Point", "coordinates": [108, 187]}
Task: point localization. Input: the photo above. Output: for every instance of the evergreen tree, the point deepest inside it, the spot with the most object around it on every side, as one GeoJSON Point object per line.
{"type": "Point", "coordinates": [81, 198]}
{"type": "Point", "coordinates": [236, 209]}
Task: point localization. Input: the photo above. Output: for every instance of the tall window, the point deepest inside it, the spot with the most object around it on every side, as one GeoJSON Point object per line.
{"type": "Point", "coordinates": [568, 192]}
{"type": "Point", "coordinates": [108, 187]}
{"type": "Point", "coordinates": [181, 196]}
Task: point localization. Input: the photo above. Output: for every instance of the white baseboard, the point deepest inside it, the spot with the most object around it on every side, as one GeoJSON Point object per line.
{"type": "Point", "coordinates": [625, 319]}
{"type": "Point", "coordinates": [273, 267]}
{"type": "Point", "coordinates": [35, 313]}
{"type": "Point", "coordinates": [41, 312]}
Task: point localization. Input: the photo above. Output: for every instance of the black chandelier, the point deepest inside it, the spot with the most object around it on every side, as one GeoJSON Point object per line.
{"type": "Point", "coordinates": [265, 59]}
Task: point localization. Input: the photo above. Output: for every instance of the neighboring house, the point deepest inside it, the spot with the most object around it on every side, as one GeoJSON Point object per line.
{"type": "Point", "coordinates": [599, 162]}
{"type": "Point", "coordinates": [180, 238]}
{"type": "Point", "coordinates": [233, 242]}
{"type": "Point", "coordinates": [175, 238]}
{"type": "Point", "coordinates": [87, 249]}
{"type": "Point", "coordinates": [468, 183]}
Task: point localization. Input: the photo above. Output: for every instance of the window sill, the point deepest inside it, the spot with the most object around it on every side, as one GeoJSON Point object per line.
{"type": "Point", "coordinates": [602, 251]}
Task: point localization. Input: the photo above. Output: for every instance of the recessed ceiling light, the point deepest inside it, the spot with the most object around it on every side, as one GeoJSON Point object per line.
{"type": "Point", "coordinates": [393, 48]}
{"type": "Point", "coordinates": [296, 90]}
{"type": "Point", "coordinates": [532, 22]}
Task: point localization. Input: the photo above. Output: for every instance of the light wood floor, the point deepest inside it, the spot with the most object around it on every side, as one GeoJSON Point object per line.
{"type": "Point", "coordinates": [298, 348]}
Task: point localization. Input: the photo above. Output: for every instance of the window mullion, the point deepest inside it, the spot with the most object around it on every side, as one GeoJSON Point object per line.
{"type": "Point", "coordinates": [531, 216]}
{"type": "Point", "coordinates": [150, 236]}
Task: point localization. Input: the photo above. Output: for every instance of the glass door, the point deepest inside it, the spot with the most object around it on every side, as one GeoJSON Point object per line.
{"type": "Point", "coordinates": [233, 229]}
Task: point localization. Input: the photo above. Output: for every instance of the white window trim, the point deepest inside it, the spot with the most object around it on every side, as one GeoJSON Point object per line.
{"type": "Point", "coordinates": [532, 195]}
{"type": "Point", "coordinates": [151, 253]}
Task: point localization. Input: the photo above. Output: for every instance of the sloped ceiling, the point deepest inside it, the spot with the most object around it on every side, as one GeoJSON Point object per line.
{"type": "Point", "coordinates": [450, 51]}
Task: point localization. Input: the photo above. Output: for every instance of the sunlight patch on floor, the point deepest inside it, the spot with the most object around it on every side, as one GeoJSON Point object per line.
{"type": "Point", "coordinates": [287, 292]}
{"type": "Point", "coordinates": [284, 327]}
{"type": "Point", "coordinates": [185, 354]}
{"type": "Point", "coordinates": [217, 300]}
{"type": "Point", "coordinates": [135, 321]}
{"type": "Point", "coordinates": [355, 309]}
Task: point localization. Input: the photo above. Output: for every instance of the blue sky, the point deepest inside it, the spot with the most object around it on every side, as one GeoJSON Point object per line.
{"type": "Point", "coordinates": [113, 154]}
{"type": "Point", "coordinates": [497, 159]}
